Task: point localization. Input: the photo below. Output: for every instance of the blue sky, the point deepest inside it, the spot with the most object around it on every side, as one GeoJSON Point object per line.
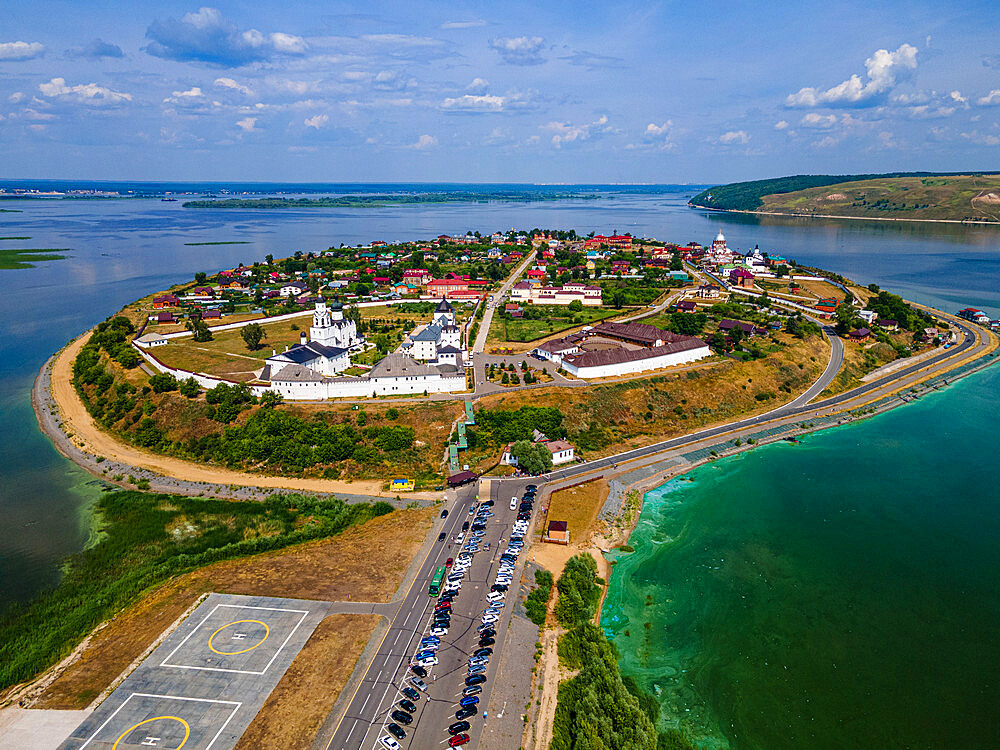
{"type": "Point", "coordinates": [477, 92]}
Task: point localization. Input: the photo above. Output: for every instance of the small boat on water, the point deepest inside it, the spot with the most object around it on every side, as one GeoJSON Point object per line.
{"type": "Point", "coordinates": [169, 200]}
{"type": "Point", "coordinates": [791, 440]}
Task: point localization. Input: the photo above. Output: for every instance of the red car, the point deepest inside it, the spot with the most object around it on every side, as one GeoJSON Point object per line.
{"type": "Point", "coordinates": [458, 739]}
{"type": "Point", "coordinates": [448, 562]}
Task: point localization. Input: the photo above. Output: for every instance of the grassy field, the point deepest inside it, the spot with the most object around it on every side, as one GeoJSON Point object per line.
{"type": "Point", "coordinates": [579, 506]}
{"type": "Point", "coordinates": [366, 562]}
{"type": "Point", "coordinates": [556, 318]}
{"type": "Point", "coordinates": [606, 419]}
{"type": "Point", "coordinates": [146, 539]}
{"type": "Point", "coordinates": [227, 354]}
{"type": "Point", "coordinates": [936, 198]}
{"type": "Point", "coordinates": [296, 709]}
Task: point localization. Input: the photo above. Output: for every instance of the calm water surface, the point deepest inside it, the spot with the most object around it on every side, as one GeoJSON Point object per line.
{"type": "Point", "coordinates": [840, 593]}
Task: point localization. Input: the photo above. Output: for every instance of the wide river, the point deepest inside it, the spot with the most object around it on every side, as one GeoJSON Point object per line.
{"type": "Point", "coordinates": [841, 593]}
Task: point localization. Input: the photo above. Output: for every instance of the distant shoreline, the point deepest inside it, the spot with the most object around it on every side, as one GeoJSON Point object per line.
{"type": "Point", "coordinates": [979, 222]}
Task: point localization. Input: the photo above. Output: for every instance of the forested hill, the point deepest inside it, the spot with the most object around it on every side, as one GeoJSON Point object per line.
{"type": "Point", "coordinates": [764, 194]}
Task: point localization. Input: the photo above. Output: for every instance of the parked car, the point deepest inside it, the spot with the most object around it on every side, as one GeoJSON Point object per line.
{"type": "Point", "coordinates": [418, 670]}
{"type": "Point", "coordinates": [465, 526]}
{"type": "Point", "coordinates": [389, 743]}
{"type": "Point", "coordinates": [485, 651]}
{"type": "Point", "coordinates": [458, 740]}
{"type": "Point", "coordinates": [410, 693]}
{"type": "Point", "coordinates": [418, 683]}
{"type": "Point", "coordinates": [474, 690]}
{"type": "Point", "coordinates": [476, 679]}
{"type": "Point", "coordinates": [408, 706]}
{"type": "Point", "coordinates": [486, 642]}
{"type": "Point", "coordinates": [459, 726]}
{"type": "Point", "coordinates": [469, 700]}
{"type": "Point", "coordinates": [401, 717]}
{"type": "Point", "coordinates": [395, 730]}
{"type": "Point", "coordinates": [466, 712]}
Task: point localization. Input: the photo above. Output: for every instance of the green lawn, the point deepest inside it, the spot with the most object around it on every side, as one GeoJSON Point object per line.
{"type": "Point", "coordinates": [554, 319]}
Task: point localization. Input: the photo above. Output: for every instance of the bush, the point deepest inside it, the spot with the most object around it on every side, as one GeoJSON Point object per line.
{"type": "Point", "coordinates": [537, 602]}
{"type": "Point", "coordinates": [579, 591]}
{"type": "Point", "coordinates": [162, 382]}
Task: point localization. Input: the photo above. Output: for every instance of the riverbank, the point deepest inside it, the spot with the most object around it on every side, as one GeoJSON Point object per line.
{"type": "Point", "coordinates": [787, 214]}
{"type": "Point", "coordinates": [64, 419]}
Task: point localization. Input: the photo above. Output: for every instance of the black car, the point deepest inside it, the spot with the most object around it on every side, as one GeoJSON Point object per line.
{"type": "Point", "coordinates": [441, 622]}
{"type": "Point", "coordinates": [395, 730]}
{"type": "Point", "coordinates": [487, 502]}
{"type": "Point", "coordinates": [531, 488]}
{"type": "Point", "coordinates": [488, 633]}
{"type": "Point", "coordinates": [482, 652]}
{"type": "Point", "coordinates": [458, 726]}
{"type": "Point", "coordinates": [444, 513]}
{"type": "Point", "coordinates": [418, 670]}
{"type": "Point", "coordinates": [465, 526]}
{"type": "Point", "coordinates": [499, 587]}
{"type": "Point", "coordinates": [408, 706]}
{"type": "Point", "coordinates": [410, 693]}
{"type": "Point", "coordinates": [465, 713]}
{"type": "Point", "coordinates": [441, 536]}
{"type": "Point", "coordinates": [486, 641]}
{"type": "Point", "coordinates": [402, 717]}
{"type": "Point", "coordinates": [476, 679]}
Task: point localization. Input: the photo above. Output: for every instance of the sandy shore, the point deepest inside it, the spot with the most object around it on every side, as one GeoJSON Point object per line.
{"type": "Point", "coordinates": [63, 417]}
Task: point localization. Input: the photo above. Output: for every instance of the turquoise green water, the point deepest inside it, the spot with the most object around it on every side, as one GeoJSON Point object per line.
{"type": "Point", "coordinates": [839, 593]}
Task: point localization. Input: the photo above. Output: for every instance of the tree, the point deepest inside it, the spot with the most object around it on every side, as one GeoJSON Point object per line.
{"type": "Point", "coordinates": [531, 457]}
{"type": "Point", "coordinates": [575, 306]}
{"type": "Point", "coordinates": [201, 331]}
{"type": "Point", "coordinates": [201, 277]}
{"type": "Point", "coordinates": [252, 335]}
{"type": "Point", "coordinates": [162, 382]}
{"type": "Point", "coordinates": [189, 388]}
{"type": "Point", "coordinates": [676, 264]}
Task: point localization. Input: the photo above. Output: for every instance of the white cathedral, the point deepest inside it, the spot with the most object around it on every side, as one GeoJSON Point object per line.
{"type": "Point", "coordinates": [440, 342]}
{"type": "Point", "coordinates": [326, 351]}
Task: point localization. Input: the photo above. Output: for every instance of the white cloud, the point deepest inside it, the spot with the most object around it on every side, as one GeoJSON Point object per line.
{"type": "Point", "coordinates": [477, 103]}
{"type": "Point", "coordinates": [247, 123]}
{"type": "Point", "coordinates": [956, 96]}
{"type": "Point", "coordinates": [478, 86]}
{"type": "Point", "coordinates": [813, 120]}
{"type": "Point", "coordinates": [15, 51]}
{"type": "Point", "coordinates": [192, 93]}
{"type": "Point", "coordinates": [826, 141]}
{"type": "Point", "coordinates": [424, 141]}
{"type": "Point", "coordinates": [734, 136]}
{"type": "Point", "coordinates": [16, 97]}
{"type": "Point", "coordinates": [884, 70]}
{"type": "Point", "coordinates": [656, 131]}
{"type": "Point", "coordinates": [563, 132]}
{"type": "Point", "coordinates": [316, 121]}
{"type": "Point", "coordinates": [519, 50]}
{"type": "Point", "coordinates": [463, 24]}
{"type": "Point", "coordinates": [781, 125]}
{"type": "Point", "coordinates": [992, 99]}
{"type": "Point", "coordinates": [87, 93]}
{"type": "Point", "coordinates": [929, 112]}
{"type": "Point", "coordinates": [983, 139]}
{"type": "Point", "coordinates": [229, 83]}
{"type": "Point", "coordinates": [287, 43]}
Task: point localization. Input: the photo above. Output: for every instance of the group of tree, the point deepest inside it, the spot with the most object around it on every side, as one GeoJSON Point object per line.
{"type": "Point", "coordinates": [495, 427]}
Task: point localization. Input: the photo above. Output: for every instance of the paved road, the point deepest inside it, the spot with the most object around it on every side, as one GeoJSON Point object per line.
{"type": "Point", "coordinates": [378, 691]}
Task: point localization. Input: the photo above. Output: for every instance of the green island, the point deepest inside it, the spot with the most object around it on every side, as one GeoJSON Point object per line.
{"type": "Point", "coordinates": [11, 260]}
{"type": "Point", "coordinates": [376, 201]}
{"type": "Point", "coordinates": [927, 196]}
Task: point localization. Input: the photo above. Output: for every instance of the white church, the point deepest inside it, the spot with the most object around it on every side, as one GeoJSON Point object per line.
{"type": "Point", "coordinates": [325, 352]}
{"type": "Point", "coordinates": [439, 342]}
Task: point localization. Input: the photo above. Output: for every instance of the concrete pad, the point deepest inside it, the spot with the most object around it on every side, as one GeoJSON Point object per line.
{"type": "Point", "coordinates": [42, 729]}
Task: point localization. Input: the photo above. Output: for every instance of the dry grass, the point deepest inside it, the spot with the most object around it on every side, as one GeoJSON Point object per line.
{"type": "Point", "coordinates": [579, 507]}
{"type": "Point", "coordinates": [365, 563]}
{"type": "Point", "coordinates": [606, 419]}
{"type": "Point", "coordinates": [298, 706]}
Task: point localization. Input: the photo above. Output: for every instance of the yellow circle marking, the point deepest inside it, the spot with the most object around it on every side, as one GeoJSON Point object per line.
{"type": "Point", "coordinates": [187, 730]}
{"type": "Point", "coordinates": [267, 632]}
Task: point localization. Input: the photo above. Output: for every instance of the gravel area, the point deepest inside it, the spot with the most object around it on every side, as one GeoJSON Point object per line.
{"type": "Point", "coordinates": [503, 728]}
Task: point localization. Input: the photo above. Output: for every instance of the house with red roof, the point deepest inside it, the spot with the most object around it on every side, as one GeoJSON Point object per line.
{"type": "Point", "coordinates": [741, 277]}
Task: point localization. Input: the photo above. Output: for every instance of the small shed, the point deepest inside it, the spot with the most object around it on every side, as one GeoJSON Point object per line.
{"type": "Point", "coordinates": [557, 532]}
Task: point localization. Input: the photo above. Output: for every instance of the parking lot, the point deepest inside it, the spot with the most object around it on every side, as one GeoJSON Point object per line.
{"type": "Point", "coordinates": [204, 684]}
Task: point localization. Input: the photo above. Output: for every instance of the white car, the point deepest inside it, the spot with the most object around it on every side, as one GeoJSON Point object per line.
{"type": "Point", "coordinates": [439, 632]}
{"type": "Point", "coordinates": [460, 538]}
{"type": "Point", "coordinates": [513, 503]}
{"type": "Point", "coordinates": [389, 743]}
{"type": "Point", "coordinates": [427, 661]}
{"type": "Point", "coordinates": [487, 619]}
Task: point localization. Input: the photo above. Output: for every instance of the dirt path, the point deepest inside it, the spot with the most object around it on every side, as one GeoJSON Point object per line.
{"type": "Point", "coordinates": [86, 434]}
{"type": "Point", "coordinates": [551, 677]}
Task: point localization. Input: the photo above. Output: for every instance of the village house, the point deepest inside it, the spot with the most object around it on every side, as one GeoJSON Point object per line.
{"type": "Point", "coordinates": [860, 334]}
{"type": "Point", "coordinates": [741, 278]}
{"type": "Point", "coordinates": [528, 293]}
{"type": "Point", "coordinates": [687, 306]}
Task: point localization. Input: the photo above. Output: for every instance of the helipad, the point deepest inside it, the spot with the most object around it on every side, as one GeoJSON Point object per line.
{"type": "Point", "coordinates": [201, 688]}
